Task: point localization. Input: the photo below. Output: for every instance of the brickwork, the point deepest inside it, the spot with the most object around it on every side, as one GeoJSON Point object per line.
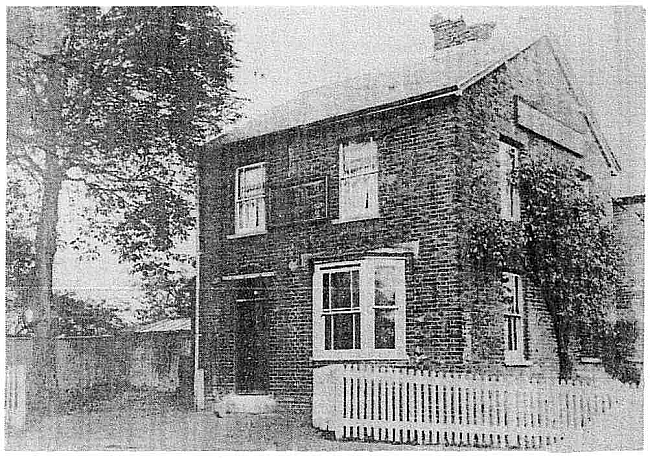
{"type": "Point", "coordinates": [453, 32]}
{"type": "Point", "coordinates": [629, 217]}
{"type": "Point", "coordinates": [423, 149]}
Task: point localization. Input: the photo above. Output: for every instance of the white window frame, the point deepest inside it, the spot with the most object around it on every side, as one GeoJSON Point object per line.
{"type": "Point", "coordinates": [366, 268]}
{"type": "Point", "coordinates": [513, 320]}
{"type": "Point", "coordinates": [365, 177]}
{"type": "Point", "coordinates": [510, 202]}
{"type": "Point", "coordinates": [244, 227]}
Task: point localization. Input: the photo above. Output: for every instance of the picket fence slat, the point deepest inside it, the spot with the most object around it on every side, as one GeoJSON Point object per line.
{"type": "Point", "coordinates": [414, 406]}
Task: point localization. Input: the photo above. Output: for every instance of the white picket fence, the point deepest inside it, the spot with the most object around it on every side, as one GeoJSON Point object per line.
{"type": "Point", "coordinates": [15, 396]}
{"type": "Point", "coordinates": [411, 406]}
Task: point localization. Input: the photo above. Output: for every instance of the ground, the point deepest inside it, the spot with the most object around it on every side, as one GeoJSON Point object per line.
{"type": "Point", "coordinates": [158, 423]}
{"type": "Point", "coordinates": [146, 421]}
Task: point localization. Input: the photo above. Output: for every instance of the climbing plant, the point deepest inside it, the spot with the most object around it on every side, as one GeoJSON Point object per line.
{"type": "Point", "coordinates": [564, 242]}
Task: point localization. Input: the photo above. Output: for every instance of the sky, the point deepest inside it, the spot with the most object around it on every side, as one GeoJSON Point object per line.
{"type": "Point", "coordinates": [283, 51]}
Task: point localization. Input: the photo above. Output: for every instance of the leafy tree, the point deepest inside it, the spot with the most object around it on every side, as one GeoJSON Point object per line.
{"type": "Point", "coordinates": [121, 102]}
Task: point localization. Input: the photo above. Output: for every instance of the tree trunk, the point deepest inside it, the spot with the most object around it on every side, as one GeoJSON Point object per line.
{"type": "Point", "coordinates": [46, 245]}
{"type": "Point", "coordinates": [565, 356]}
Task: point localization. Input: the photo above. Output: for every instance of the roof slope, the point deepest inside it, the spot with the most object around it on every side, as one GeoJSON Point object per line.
{"type": "Point", "coordinates": [169, 325]}
{"type": "Point", "coordinates": [447, 71]}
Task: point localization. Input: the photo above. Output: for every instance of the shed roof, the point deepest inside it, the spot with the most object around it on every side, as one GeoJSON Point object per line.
{"type": "Point", "coordinates": [445, 72]}
{"type": "Point", "coordinates": [169, 325]}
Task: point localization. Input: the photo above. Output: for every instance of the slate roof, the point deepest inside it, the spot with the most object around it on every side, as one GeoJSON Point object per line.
{"type": "Point", "coordinates": [447, 71]}
{"type": "Point", "coordinates": [169, 325]}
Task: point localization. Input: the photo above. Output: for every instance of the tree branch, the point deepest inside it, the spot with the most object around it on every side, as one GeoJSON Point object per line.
{"type": "Point", "coordinates": [31, 166]}
{"type": "Point", "coordinates": [45, 57]}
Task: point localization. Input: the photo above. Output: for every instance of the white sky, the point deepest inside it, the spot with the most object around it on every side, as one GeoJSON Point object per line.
{"type": "Point", "coordinates": [287, 50]}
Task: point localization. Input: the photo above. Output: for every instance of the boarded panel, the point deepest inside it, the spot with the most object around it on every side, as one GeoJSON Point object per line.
{"type": "Point", "coordinates": [302, 202]}
{"type": "Point", "coordinates": [550, 128]}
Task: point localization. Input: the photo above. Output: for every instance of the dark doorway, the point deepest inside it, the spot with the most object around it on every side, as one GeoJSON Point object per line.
{"type": "Point", "coordinates": [252, 336]}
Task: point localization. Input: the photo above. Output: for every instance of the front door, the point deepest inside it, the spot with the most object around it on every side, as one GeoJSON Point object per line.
{"type": "Point", "coordinates": [252, 362]}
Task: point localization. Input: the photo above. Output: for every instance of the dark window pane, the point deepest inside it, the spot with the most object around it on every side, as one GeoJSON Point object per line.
{"type": "Point", "coordinates": [384, 328]}
{"type": "Point", "coordinates": [326, 291]}
{"type": "Point", "coordinates": [355, 289]}
{"type": "Point", "coordinates": [510, 344]}
{"type": "Point", "coordinates": [328, 332]}
{"type": "Point", "coordinates": [357, 330]}
{"type": "Point", "coordinates": [516, 295]}
{"type": "Point", "coordinates": [343, 325]}
{"type": "Point", "coordinates": [340, 284]}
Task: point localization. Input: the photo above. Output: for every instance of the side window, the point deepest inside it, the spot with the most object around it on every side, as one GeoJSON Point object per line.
{"type": "Point", "coordinates": [250, 208]}
{"type": "Point", "coordinates": [513, 317]}
{"type": "Point", "coordinates": [508, 191]}
{"type": "Point", "coordinates": [358, 181]}
{"type": "Point", "coordinates": [585, 182]}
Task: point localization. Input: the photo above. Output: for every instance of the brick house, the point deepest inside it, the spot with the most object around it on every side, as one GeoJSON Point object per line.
{"type": "Point", "coordinates": [331, 228]}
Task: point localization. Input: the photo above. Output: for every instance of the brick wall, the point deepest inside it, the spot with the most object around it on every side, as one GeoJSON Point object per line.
{"type": "Point", "coordinates": [415, 206]}
{"type": "Point", "coordinates": [628, 220]}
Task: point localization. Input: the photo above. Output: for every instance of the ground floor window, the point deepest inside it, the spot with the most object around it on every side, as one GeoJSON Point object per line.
{"type": "Point", "coordinates": [359, 309]}
{"type": "Point", "coordinates": [513, 322]}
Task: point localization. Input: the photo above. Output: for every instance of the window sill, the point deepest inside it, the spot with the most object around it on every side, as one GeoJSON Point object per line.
{"type": "Point", "coordinates": [346, 355]}
{"type": "Point", "coordinates": [352, 220]}
{"type": "Point", "coordinates": [519, 362]}
{"type": "Point", "coordinates": [245, 234]}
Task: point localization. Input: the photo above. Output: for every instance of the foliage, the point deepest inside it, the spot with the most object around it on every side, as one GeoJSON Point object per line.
{"type": "Point", "coordinates": [73, 316]}
{"type": "Point", "coordinates": [563, 242]}
{"type": "Point", "coordinates": [151, 86]}
{"type": "Point", "coordinates": [20, 253]}
{"type": "Point", "coordinates": [618, 339]}
{"type": "Point", "coordinates": [78, 317]}
{"type": "Point", "coordinates": [170, 289]}
{"type": "Point", "coordinates": [123, 99]}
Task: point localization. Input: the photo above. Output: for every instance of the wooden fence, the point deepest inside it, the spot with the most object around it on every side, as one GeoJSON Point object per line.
{"type": "Point", "coordinates": [410, 406]}
{"type": "Point", "coordinates": [81, 364]}
{"type": "Point", "coordinates": [15, 398]}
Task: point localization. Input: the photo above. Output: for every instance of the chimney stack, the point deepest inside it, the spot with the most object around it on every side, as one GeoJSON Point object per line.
{"type": "Point", "coordinates": [448, 32]}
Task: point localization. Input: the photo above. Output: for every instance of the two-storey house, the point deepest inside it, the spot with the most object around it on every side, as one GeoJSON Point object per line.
{"type": "Point", "coordinates": [329, 228]}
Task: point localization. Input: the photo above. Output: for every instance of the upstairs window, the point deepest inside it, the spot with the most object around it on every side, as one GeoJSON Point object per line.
{"type": "Point", "coordinates": [585, 182]}
{"type": "Point", "coordinates": [358, 181]}
{"type": "Point", "coordinates": [508, 190]}
{"type": "Point", "coordinates": [359, 309]}
{"type": "Point", "coordinates": [513, 323]}
{"type": "Point", "coordinates": [250, 209]}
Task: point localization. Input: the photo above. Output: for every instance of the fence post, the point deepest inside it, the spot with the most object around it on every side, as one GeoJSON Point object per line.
{"type": "Point", "coordinates": [15, 396]}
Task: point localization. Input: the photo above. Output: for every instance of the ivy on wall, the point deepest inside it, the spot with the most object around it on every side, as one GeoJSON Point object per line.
{"type": "Point", "coordinates": [564, 243]}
